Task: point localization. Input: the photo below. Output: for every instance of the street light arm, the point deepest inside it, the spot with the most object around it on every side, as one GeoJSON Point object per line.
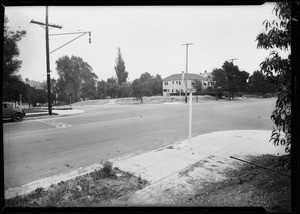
{"type": "Point", "coordinates": [67, 43]}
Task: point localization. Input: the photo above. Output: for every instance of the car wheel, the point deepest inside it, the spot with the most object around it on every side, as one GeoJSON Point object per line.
{"type": "Point", "coordinates": [18, 117]}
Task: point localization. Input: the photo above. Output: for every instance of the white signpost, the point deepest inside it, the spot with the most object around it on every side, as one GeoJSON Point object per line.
{"type": "Point", "coordinates": [190, 113]}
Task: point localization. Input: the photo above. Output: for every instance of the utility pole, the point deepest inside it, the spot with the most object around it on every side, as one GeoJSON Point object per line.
{"type": "Point", "coordinates": [47, 56]}
{"type": "Point", "coordinates": [186, 69]}
{"type": "Point", "coordinates": [231, 60]}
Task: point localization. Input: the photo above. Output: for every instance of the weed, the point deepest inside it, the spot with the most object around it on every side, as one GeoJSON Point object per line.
{"type": "Point", "coordinates": [107, 170]}
{"type": "Point", "coordinates": [38, 191]}
{"type": "Point", "coordinates": [129, 175]}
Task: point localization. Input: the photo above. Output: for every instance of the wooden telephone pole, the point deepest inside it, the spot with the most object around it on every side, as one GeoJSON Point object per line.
{"type": "Point", "coordinates": [231, 60]}
{"type": "Point", "coordinates": [47, 56]}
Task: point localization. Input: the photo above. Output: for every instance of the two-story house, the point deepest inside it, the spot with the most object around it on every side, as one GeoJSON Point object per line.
{"type": "Point", "coordinates": [176, 82]}
{"type": "Point", "coordinates": [208, 80]}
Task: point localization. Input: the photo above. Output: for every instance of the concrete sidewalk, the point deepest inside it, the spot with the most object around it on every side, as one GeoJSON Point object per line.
{"type": "Point", "coordinates": [174, 170]}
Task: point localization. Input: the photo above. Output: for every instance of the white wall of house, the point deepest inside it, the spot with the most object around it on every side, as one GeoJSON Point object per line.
{"type": "Point", "coordinates": [175, 86]}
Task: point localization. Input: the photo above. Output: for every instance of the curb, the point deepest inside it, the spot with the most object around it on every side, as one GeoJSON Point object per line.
{"type": "Point", "coordinates": [55, 113]}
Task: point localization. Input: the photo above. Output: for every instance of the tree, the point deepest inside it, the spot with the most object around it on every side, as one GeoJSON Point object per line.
{"type": "Point", "coordinates": [101, 90]}
{"type": "Point", "coordinates": [112, 87]}
{"type": "Point", "coordinates": [156, 85]}
{"type": "Point", "coordinates": [139, 89]}
{"type": "Point", "coordinates": [236, 79]}
{"type": "Point", "coordinates": [38, 96]}
{"type": "Point", "coordinates": [277, 36]}
{"type": "Point", "coordinates": [125, 90]}
{"type": "Point", "coordinates": [259, 85]}
{"type": "Point", "coordinates": [11, 51]}
{"type": "Point", "coordinates": [146, 85]}
{"type": "Point", "coordinates": [121, 73]}
{"type": "Point", "coordinates": [75, 77]}
{"type": "Point", "coordinates": [13, 85]}
{"type": "Point", "coordinates": [197, 85]}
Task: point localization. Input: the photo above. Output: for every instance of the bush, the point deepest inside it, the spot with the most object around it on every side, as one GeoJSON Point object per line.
{"type": "Point", "coordinates": [106, 172]}
{"type": "Point", "coordinates": [108, 169]}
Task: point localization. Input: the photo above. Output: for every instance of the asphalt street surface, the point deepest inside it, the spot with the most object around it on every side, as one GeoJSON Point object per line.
{"type": "Point", "coordinates": [42, 147]}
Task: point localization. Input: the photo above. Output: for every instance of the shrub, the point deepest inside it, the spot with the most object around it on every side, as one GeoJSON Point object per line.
{"type": "Point", "coordinates": [107, 170]}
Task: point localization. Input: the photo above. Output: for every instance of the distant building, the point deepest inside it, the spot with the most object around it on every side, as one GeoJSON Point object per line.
{"type": "Point", "coordinates": [208, 80]}
{"type": "Point", "coordinates": [175, 83]}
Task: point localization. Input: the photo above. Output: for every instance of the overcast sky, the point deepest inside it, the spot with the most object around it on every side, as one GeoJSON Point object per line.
{"type": "Point", "coordinates": [150, 38]}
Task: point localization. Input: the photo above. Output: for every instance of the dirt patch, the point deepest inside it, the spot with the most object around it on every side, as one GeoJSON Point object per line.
{"type": "Point", "coordinates": [250, 186]}
{"type": "Point", "coordinates": [105, 187]}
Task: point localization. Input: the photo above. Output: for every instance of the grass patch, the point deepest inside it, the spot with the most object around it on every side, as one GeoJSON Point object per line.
{"type": "Point", "coordinates": [104, 187]}
{"type": "Point", "coordinates": [250, 186]}
{"type": "Point", "coordinates": [34, 110]}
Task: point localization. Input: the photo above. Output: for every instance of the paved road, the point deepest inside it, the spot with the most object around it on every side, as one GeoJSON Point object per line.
{"type": "Point", "coordinates": [35, 149]}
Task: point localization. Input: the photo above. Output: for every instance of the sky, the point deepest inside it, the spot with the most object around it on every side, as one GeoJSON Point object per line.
{"type": "Point", "coordinates": [151, 38]}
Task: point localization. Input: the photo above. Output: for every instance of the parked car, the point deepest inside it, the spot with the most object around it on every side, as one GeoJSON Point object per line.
{"type": "Point", "coordinates": [15, 113]}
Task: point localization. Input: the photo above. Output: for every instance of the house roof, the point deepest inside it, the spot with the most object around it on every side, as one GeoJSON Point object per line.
{"type": "Point", "coordinates": [188, 76]}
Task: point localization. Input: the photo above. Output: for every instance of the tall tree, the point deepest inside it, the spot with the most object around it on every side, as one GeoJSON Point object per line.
{"type": "Point", "coordinates": [11, 50]}
{"type": "Point", "coordinates": [236, 79]}
{"type": "Point", "coordinates": [259, 85]}
{"type": "Point", "coordinates": [76, 77]}
{"type": "Point", "coordinates": [277, 36]}
{"type": "Point", "coordinates": [13, 85]}
{"type": "Point", "coordinates": [220, 82]}
{"type": "Point", "coordinates": [121, 73]}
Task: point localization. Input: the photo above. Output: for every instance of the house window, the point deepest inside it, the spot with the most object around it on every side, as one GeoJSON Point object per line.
{"type": "Point", "coordinates": [172, 90]}
{"type": "Point", "coordinates": [172, 82]}
{"type": "Point", "coordinates": [166, 83]}
{"type": "Point", "coordinates": [165, 90]}
{"type": "Point", "coordinates": [176, 82]}
{"type": "Point", "coordinates": [179, 82]}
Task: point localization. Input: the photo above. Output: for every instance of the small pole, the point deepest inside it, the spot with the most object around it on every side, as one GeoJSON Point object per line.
{"type": "Point", "coordinates": [190, 115]}
{"type": "Point", "coordinates": [180, 95]}
{"type": "Point", "coordinates": [21, 100]}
